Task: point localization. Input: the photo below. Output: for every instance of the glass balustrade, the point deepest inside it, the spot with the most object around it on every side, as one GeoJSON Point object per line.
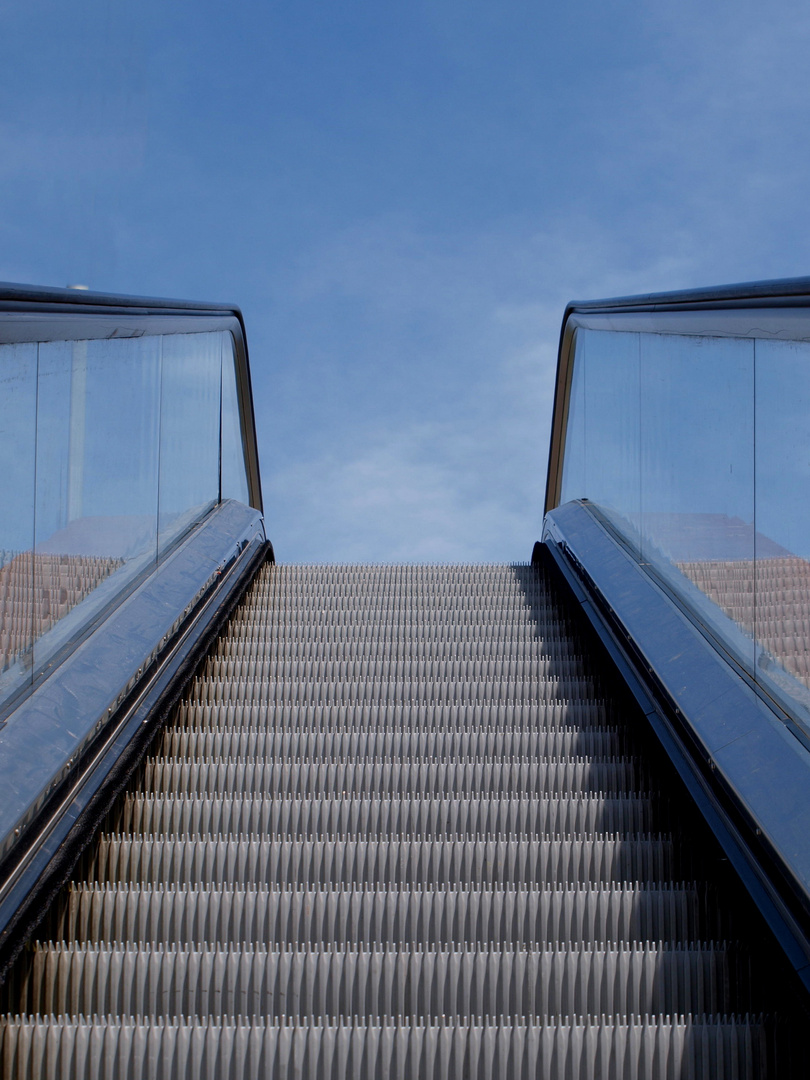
{"type": "Point", "coordinates": [689, 433]}
{"type": "Point", "coordinates": [112, 446]}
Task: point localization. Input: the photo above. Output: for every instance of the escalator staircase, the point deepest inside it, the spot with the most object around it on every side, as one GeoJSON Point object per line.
{"type": "Point", "coordinates": [402, 824]}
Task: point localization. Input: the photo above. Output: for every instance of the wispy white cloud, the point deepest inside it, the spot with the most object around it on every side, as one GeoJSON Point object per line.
{"type": "Point", "coordinates": [438, 451]}
{"type": "Point", "coordinates": [405, 497]}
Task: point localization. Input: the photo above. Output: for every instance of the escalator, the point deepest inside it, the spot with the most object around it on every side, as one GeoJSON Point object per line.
{"type": "Point", "coordinates": [323, 821]}
{"type": "Point", "coordinates": [404, 821]}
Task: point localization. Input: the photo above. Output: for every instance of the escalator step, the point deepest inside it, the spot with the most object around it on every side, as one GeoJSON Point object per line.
{"type": "Point", "coordinates": [496, 777]}
{"type": "Point", "coordinates": [261, 669]}
{"type": "Point", "coordinates": [627, 1048]}
{"type": "Point", "coordinates": [446, 862]}
{"type": "Point", "coordinates": [370, 692]}
{"type": "Point", "coordinates": [554, 715]}
{"type": "Point", "coordinates": [396, 816]}
{"type": "Point", "coordinates": [384, 916]}
{"type": "Point", "coordinates": [265, 744]}
{"type": "Point", "coordinates": [250, 980]}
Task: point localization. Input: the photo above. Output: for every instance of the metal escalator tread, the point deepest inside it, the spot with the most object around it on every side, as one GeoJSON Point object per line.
{"type": "Point", "coordinates": [254, 777]}
{"type": "Point", "coordinates": [516, 916]}
{"type": "Point", "coordinates": [408, 816]}
{"type": "Point", "coordinates": [420, 745]}
{"type": "Point", "coordinates": [399, 825]}
{"type": "Point", "coordinates": [436, 861]}
{"type": "Point", "coordinates": [143, 979]}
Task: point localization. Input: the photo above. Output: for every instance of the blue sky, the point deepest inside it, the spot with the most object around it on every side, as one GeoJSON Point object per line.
{"type": "Point", "coordinates": [402, 198]}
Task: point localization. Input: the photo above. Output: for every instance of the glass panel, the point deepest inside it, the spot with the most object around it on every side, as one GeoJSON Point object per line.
{"type": "Point", "coordinates": [701, 441]}
{"type": "Point", "coordinates": [119, 492]}
{"type": "Point", "coordinates": [661, 441]}
{"type": "Point", "coordinates": [697, 417]}
{"type": "Point", "coordinates": [96, 509]}
{"type": "Point", "coordinates": [189, 432]}
{"type": "Point", "coordinates": [112, 445]}
{"type": "Point", "coordinates": [233, 481]}
{"type": "Point", "coordinates": [53, 436]}
{"type": "Point", "coordinates": [18, 396]}
{"type": "Point", "coordinates": [783, 518]}
{"type": "Point", "coordinates": [613, 427]}
{"type": "Point", "coordinates": [575, 459]}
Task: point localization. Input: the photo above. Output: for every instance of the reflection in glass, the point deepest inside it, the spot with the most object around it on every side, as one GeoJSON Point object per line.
{"type": "Point", "coordinates": [697, 470]}
{"type": "Point", "coordinates": [697, 460]}
{"type": "Point", "coordinates": [97, 431]}
{"type": "Point", "coordinates": [53, 428]}
{"type": "Point", "coordinates": [189, 432]}
{"type": "Point", "coordinates": [606, 378]}
{"type": "Point", "coordinates": [783, 443]}
{"type": "Point", "coordinates": [120, 447]}
{"type": "Point", "coordinates": [233, 481]}
{"type": "Point", "coordinates": [612, 393]}
{"type": "Point", "coordinates": [18, 395]}
{"type": "Point", "coordinates": [111, 448]}
{"type": "Point", "coordinates": [783, 511]}
{"type": "Point", "coordinates": [575, 459]}
{"type": "Point", "coordinates": [65, 569]}
{"type": "Point", "coordinates": [702, 446]}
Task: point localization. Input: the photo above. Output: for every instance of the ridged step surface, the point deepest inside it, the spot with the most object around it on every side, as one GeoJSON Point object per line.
{"type": "Point", "coordinates": [384, 916]}
{"type": "Point", "coordinates": [416, 778]}
{"type": "Point", "coordinates": [317, 746]}
{"type": "Point", "coordinates": [248, 980]}
{"type": "Point", "coordinates": [407, 816]}
{"type": "Point", "coordinates": [399, 826]}
{"type": "Point", "coordinates": [552, 1048]}
{"type": "Point", "coordinates": [464, 860]}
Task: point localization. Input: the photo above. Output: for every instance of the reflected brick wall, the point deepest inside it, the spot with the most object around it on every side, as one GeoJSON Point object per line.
{"type": "Point", "coordinates": [782, 603]}
{"type": "Point", "coordinates": [38, 590]}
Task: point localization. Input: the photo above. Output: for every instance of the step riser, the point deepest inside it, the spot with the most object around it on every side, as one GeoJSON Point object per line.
{"type": "Point", "coordinates": [343, 917]}
{"type": "Point", "coordinates": [627, 1049]}
{"type": "Point", "coordinates": [317, 746]}
{"type": "Point", "coordinates": [438, 863]}
{"type": "Point", "coordinates": [396, 817]}
{"type": "Point", "coordinates": [454, 779]}
{"type": "Point", "coordinates": [469, 984]}
{"type": "Point", "coordinates": [553, 716]}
